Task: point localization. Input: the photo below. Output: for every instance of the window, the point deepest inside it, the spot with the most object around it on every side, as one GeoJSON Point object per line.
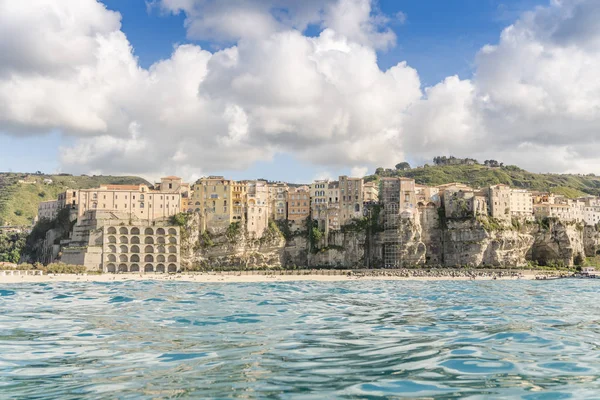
{"type": "Point", "coordinates": [170, 186]}
{"type": "Point", "coordinates": [141, 205]}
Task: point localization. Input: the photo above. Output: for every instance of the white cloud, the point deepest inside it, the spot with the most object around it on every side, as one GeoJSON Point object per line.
{"type": "Point", "coordinates": [533, 101]}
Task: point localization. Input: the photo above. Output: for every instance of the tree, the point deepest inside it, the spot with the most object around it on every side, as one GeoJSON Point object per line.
{"type": "Point", "coordinates": [403, 166]}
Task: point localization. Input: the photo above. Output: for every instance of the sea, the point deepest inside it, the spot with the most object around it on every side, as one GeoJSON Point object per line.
{"type": "Point", "coordinates": [301, 340]}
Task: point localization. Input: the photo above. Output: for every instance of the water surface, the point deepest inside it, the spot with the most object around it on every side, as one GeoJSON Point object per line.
{"type": "Point", "coordinates": [301, 340]}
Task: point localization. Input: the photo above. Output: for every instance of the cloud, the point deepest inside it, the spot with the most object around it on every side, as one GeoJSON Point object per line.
{"type": "Point", "coordinates": [534, 99]}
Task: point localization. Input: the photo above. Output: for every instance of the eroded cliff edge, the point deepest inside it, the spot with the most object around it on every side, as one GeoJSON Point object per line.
{"type": "Point", "coordinates": [429, 240]}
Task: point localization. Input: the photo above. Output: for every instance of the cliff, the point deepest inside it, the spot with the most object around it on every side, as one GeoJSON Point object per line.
{"type": "Point", "coordinates": [427, 241]}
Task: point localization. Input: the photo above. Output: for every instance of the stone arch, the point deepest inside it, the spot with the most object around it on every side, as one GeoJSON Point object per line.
{"type": "Point", "coordinates": [161, 249]}
{"type": "Point", "coordinates": [134, 268]}
{"type": "Point", "coordinates": [173, 240]}
{"type": "Point", "coordinates": [172, 258]}
{"type": "Point", "coordinates": [123, 258]}
{"type": "Point", "coordinates": [135, 249]}
{"type": "Point", "coordinates": [172, 268]}
{"type": "Point", "coordinates": [420, 204]}
{"type": "Point", "coordinates": [111, 268]}
{"type": "Point", "coordinates": [135, 258]}
{"type": "Point", "coordinates": [160, 258]}
{"type": "Point", "coordinates": [123, 231]}
{"type": "Point", "coordinates": [160, 268]}
{"type": "Point", "coordinates": [111, 230]}
{"type": "Point", "coordinates": [149, 240]}
{"type": "Point", "coordinates": [135, 240]}
{"type": "Point", "coordinates": [112, 239]}
{"type": "Point", "coordinates": [148, 258]}
{"type": "Point", "coordinates": [124, 240]}
{"type": "Point", "coordinates": [160, 231]}
{"type": "Point", "coordinates": [148, 268]}
{"type": "Point", "coordinates": [160, 240]}
{"type": "Point", "coordinates": [148, 231]}
{"type": "Point", "coordinates": [172, 231]}
{"type": "Point", "coordinates": [123, 249]}
{"type": "Point", "coordinates": [172, 249]}
{"type": "Point", "coordinates": [112, 258]}
{"type": "Point", "coordinates": [135, 231]}
{"type": "Point", "coordinates": [123, 268]}
{"type": "Point", "coordinates": [112, 249]}
{"type": "Point", "coordinates": [149, 249]}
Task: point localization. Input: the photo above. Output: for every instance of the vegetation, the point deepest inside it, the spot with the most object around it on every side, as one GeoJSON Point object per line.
{"type": "Point", "coordinates": [54, 268]}
{"type": "Point", "coordinates": [479, 176]}
{"type": "Point", "coordinates": [206, 240]}
{"type": "Point", "coordinates": [62, 224]}
{"type": "Point", "coordinates": [233, 231]}
{"type": "Point", "coordinates": [19, 201]}
{"type": "Point", "coordinates": [180, 219]}
{"type": "Point", "coordinates": [272, 232]}
{"type": "Point", "coordinates": [11, 246]}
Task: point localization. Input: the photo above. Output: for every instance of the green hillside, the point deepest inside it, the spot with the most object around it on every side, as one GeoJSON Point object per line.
{"type": "Point", "coordinates": [479, 176]}
{"type": "Point", "coordinates": [19, 201]}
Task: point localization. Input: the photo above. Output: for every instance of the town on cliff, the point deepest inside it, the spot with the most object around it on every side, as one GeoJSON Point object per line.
{"type": "Point", "coordinates": [345, 223]}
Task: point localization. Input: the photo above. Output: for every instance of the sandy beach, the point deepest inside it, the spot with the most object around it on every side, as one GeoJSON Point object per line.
{"type": "Point", "coordinates": [234, 277]}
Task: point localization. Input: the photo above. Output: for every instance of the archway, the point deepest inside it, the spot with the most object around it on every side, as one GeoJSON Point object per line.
{"type": "Point", "coordinates": [135, 258]}
{"type": "Point", "coordinates": [149, 231]}
{"type": "Point", "coordinates": [123, 231]}
{"type": "Point", "coordinates": [112, 239]}
{"type": "Point", "coordinates": [123, 258]}
{"type": "Point", "coordinates": [112, 258]}
{"type": "Point", "coordinates": [149, 249]}
{"type": "Point", "coordinates": [149, 258]}
{"type": "Point", "coordinates": [123, 240]}
{"type": "Point", "coordinates": [134, 268]}
{"type": "Point", "coordinates": [135, 240]}
{"type": "Point", "coordinates": [172, 258]}
{"type": "Point", "coordinates": [160, 268]}
{"type": "Point", "coordinates": [135, 231]}
{"type": "Point", "coordinates": [123, 249]}
{"type": "Point", "coordinates": [149, 240]}
{"type": "Point", "coordinates": [112, 249]}
{"type": "Point", "coordinates": [148, 268]}
{"type": "Point", "coordinates": [172, 268]}
{"type": "Point", "coordinates": [173, 240]}
{"type": "Point", "coordinates": [172, 249]}
{"type": "Point", "coordinates": [172, 231]}
{"type": "Point", "coordinates": [160, 258]}
{"type": "Point", "coordinates": [161, 249]}
{"type": "Point", "coordinates": [111, 230]}
{"type": "Point", "coordinates": [160, 231]}
{"type": "Point", "coordinates": [135, 249]}
{"type": "Point", "coordinates": [111, 268]}
{"type": "Point", "coordinates": [160, 240]}
{"type": "Point", "coordinates": [123, 268]}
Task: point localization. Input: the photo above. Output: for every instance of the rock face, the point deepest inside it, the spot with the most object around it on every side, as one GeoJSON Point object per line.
{"type": "Point", "coordinates": [429, 240]}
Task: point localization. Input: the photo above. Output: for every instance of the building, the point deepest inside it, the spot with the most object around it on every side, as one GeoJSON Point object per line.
{"type": "Point", "coordinates": [564, 212]}
{"type": "Point", "coordinates": [521, 203]}
{"type": "Point", "coordinates": [115, 241]}
{"type": "Point", "coordinates": [278, 201]}
{"type": "Point", "coordinates": [427, 195]}
{"type": "Point", "coordinates": [351, 199]}
{"type": "Point", "coordinates": [48, 209]}
{"type": "Point", "coordinates": [239, 194]}
{"type": "Point", "coordinates": [139, 200]}
{"type": "Point", "coordinates": [499, 198]}
{"type": "Point", "coordinates": [298, 204]}
{"type": "Point", "coordinates": [318, 196]}
{"type": "Point", "coordinates": [370, 192]}
{"type": "Point", "coordinates": [257, 219]}
{"type": "Point", "coordinates": [212, 198]}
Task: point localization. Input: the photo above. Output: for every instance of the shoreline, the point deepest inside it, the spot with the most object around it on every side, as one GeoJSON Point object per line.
{"type": "Point", "coordinates": [237, 277]}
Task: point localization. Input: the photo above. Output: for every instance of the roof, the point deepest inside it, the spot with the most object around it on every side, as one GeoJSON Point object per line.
{"type": "Point", "coordinates": [171, 177]}
{"type": "Point", "coordinates": [121, 187]}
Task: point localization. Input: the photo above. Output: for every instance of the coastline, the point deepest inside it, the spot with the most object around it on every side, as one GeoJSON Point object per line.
{"type": "Point", "coordinates": [245, 278]}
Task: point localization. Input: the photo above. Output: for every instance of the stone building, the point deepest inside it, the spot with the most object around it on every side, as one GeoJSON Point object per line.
{"type": "Point", "coordinates": [351, 199]}
{"type": "Point", "coordinates": [278, 200]}
{"type": "Point", "coordinates": [499, 201]}
{"type": "Point", "coordinates": [258, 208]}
{"type": "Point", "coordinates": [298, 204]}
{"type": "Point", "coordinates": [370, 192]}
{"type": "Point", "coordinates": [117, 242]}
{"type": "Point", "coordinates": [48, 209]}
{"type": "Point", "coordinates": [521, 203]}
{"type": "Point", "coordinates": [212, 198]}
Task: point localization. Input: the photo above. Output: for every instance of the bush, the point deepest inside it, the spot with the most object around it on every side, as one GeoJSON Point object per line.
{"type": "Point", "coordinates": [180, 219]}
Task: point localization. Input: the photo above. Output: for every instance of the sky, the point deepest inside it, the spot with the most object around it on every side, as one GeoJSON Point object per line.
{"type": "Point", "coordinates": [296, 91]}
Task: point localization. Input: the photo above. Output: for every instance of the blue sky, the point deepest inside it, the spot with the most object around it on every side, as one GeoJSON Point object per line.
{"type": "Point", "coordinates": [439, 38]}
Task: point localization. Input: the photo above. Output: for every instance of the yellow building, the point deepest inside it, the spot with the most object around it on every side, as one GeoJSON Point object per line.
{"type": "Point", "coordinates": [212, 198]}
{"type": "Point", "coordinates": [239, 198]}
{"type": "Point", "coordinates": [278, 201]}
{"type": "Point", "coordinates": [370, 192]}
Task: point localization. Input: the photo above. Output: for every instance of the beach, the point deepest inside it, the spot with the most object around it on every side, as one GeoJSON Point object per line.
{"type": "Point", "coordinates": [247, 277]}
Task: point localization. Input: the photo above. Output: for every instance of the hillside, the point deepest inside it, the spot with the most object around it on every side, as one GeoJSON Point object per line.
{"type": "Point", "coordinates": [19, 201]}
{"type": "Point", "coordinates": [479, 176]}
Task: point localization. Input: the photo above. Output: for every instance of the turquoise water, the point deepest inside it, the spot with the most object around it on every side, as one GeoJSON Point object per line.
{"type": "Point", "coordinates": [361, 339]}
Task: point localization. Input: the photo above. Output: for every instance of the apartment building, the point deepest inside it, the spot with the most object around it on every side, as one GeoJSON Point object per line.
{"type": "Point", "coordinates": [278, 200]}
{"type": "Point", "coordinates": [351, 199]}
{"type": "Point", "coordinates": [298, 204]}
{"type": "Point", "coordinates": [370, 192]}
{"type": "Point", "coordinates": [48, 209]}
{"type": "Point", "coordinates": [258, 208]}
{"type": "Point", "coordinates": [499, 197]}
{"type": "Point", "coordinates": [521, 203]}
{"type": "Point", "coordinates": [212, 198]}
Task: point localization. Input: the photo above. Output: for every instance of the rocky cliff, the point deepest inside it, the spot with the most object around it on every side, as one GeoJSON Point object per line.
{"type": "Point", "coordinates": [430, 240]}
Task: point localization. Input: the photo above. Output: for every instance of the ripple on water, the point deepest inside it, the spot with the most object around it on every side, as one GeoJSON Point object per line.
{"type": "Point", "coordinates": [145, 340]}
